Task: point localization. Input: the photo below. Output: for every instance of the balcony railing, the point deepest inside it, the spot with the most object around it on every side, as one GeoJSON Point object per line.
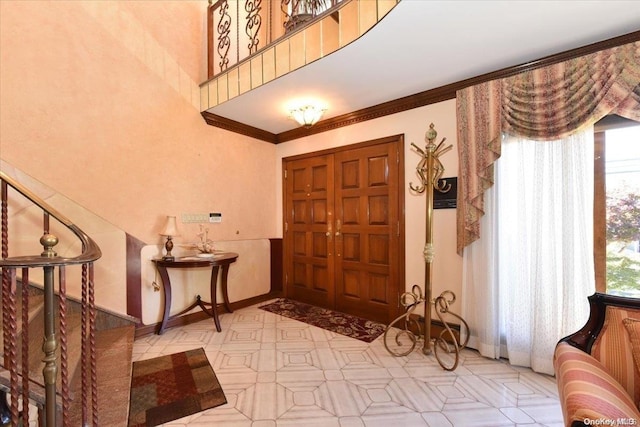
{"type": "Point", "coordinates": [252, 42]}
{"type": "Point", "coordinates": [238, 29]}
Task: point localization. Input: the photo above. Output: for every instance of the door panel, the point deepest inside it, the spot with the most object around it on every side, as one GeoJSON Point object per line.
{"type": "Point", "coordinates": [367, 246]}
{"type": "Point", "coordinates": [308, 200]}
{"type": "Point", "coordinates": [343, 247]}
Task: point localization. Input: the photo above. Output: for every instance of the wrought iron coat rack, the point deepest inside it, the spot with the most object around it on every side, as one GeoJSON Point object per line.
{"type": "Point", "coordinates": [402, 331]}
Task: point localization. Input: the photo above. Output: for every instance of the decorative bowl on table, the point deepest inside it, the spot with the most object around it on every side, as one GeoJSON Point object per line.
{"type": "Point", "coordinates": [206, 255]}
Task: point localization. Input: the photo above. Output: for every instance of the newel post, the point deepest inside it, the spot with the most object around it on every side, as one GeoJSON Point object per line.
{"type": "Point", "coordinates": [50, 343]}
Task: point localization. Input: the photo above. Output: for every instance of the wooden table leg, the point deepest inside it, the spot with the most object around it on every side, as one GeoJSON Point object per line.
{"type": "Point", "coordinates": [225, 295]}
{"type": "Point", "coordinates": [214, 296]}
{"type": "Point", "coordinates": [166, 285]}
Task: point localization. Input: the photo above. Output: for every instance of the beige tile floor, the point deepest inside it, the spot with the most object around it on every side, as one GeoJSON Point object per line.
{"type": "Point", "coordinates": [280, 372]}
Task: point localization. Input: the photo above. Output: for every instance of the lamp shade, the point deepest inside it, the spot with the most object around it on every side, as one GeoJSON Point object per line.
{"type": "Point", "coordinates": [170, 227]}
{"type": "Point", "coordinates": [307, 115]}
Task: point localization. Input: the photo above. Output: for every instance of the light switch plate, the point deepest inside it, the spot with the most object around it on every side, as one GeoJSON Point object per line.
{"type": "Point", "coordinates": [194, 218]}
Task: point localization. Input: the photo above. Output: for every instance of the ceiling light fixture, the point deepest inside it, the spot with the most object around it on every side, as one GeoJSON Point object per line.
{"type": "Point", "coordinates": [307, 115]}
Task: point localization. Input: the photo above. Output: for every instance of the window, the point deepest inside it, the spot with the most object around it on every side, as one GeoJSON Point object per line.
{"type": "Point", "coordinates": [526, 280]}
{"type": "Point", "coordinates": [617, 210]}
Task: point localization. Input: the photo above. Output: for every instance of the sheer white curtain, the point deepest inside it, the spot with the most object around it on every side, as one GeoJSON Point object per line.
{"type": "Point", "coordinates": [525, 282]}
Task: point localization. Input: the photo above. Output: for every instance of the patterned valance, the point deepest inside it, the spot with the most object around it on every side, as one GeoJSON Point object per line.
{"type": "Point", "coordinates": [543, 104]}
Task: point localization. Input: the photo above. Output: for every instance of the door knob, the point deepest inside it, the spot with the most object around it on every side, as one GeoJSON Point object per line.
{"type": "Point", "coordinates": [339, 228]}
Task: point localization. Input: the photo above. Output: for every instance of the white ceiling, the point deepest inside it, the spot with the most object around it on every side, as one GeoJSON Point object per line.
{"type": "Point", "coordinates": [425, 44]}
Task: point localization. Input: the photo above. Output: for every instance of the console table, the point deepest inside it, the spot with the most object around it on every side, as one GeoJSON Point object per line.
{"type": "Point", "coordinates": [216, 262]}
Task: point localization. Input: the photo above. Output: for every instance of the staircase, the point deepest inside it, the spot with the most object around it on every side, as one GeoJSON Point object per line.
{"type": "Point", "coordinates": [65, 359]}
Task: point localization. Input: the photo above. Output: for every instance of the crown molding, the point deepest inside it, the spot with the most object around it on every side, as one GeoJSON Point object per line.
{"type": "Point", "coordinates": [432, 96]}
{"type": "Point", "coordinates": [238, 127]}
{"type": "Point", "coordinates": [399, 105]}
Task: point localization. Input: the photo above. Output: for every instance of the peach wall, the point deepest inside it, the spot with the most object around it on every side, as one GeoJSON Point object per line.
{"type": "Point", "coordinates": [25, 229]}
{"type": "Point", "coordinates": [100, 101]}
{"type": "Point", "coordinates": [447, 269]}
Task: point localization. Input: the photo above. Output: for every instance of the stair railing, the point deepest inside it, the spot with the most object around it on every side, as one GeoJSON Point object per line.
{"type": "Point", "coordinates": [22, 388]}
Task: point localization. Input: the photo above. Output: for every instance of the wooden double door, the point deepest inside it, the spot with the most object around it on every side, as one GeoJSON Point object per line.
{"type": "Point", "coordinates": [344, 228]}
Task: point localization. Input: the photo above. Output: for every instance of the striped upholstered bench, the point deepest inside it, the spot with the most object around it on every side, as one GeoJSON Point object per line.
{"type": "Point", "coordinates": [598, 367]}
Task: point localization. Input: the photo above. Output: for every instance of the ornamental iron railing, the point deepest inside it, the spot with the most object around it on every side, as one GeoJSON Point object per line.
{"type": "Point", "coordinates": [238, 29]}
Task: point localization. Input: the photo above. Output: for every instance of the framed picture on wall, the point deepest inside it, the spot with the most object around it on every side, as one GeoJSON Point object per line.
{"type": "Point", "coordinates": [446, 200]}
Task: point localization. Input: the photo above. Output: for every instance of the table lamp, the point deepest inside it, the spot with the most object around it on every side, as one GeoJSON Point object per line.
{"type": "Point", "coordinates": [170, 230]}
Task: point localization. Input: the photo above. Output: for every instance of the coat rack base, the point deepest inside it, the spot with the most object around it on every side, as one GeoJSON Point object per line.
{"type": "Point", "coordinates": [445, 339]}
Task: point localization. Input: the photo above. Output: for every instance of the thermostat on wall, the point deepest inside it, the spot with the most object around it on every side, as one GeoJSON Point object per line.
{"type": "Point", "coordinates": [215, 217]}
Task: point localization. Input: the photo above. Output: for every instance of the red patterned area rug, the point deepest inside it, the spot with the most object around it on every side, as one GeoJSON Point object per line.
{"type": "Point", "coordinates": [167, 388]}
{"type": "Point", "coordinates": [334, 321]}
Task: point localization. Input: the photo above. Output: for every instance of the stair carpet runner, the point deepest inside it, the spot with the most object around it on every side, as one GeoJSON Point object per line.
{"type": "Point", "coordinates": [114, 347]}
